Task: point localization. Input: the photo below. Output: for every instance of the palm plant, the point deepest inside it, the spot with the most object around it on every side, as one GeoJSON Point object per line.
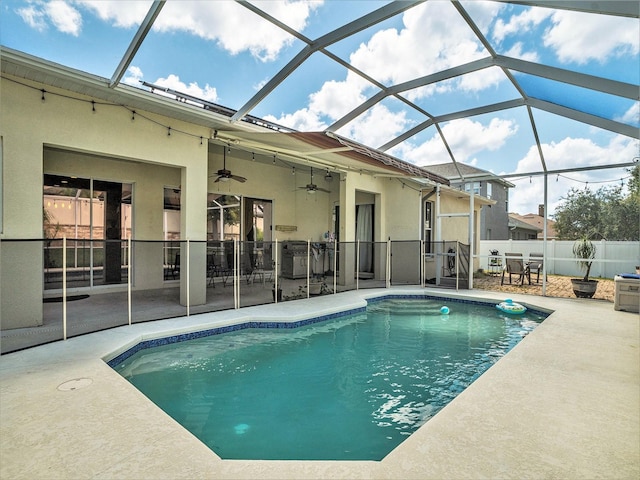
{"type": "Point", "coordinates": [585, 251]}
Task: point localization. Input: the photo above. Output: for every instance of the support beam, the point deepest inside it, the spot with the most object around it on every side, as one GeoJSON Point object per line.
{"type": "Point", "coordinates": [621, 8]}
{"type": "Point", "coordinates": [390, 10]}
{"type": "Point", "coordinates": [139, 37]}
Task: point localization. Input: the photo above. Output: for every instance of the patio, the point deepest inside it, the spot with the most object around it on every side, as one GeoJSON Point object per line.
{"type": "Point", "coordinates": [558, 286]}
{"type": "Point", "coordinates": [562, 404]}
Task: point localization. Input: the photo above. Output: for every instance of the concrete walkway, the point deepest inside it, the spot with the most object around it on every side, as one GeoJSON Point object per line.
{"type": "Point", "coordinates": [564, 403]}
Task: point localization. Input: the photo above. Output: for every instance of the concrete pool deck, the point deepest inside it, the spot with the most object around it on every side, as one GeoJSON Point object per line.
{"type": "Point", "coordinates": [564, 403]}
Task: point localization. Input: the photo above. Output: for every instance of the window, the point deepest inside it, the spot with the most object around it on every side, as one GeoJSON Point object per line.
{"type": "Point", "coordinates": [223, 217]}
{"type": "Point", "coordinates": [489, 189]}
{"type": "Point", "coordinates": [474, 185]}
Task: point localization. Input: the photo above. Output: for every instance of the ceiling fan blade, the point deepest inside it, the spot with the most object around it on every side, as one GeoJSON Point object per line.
{"type": "Point", "coordinates": [238, 178]}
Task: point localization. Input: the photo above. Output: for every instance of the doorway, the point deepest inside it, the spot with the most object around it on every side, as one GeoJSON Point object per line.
{"type": "Point", "coordinates": [364, 235]}
{"type": "Point", "coordinates": [95, 217]}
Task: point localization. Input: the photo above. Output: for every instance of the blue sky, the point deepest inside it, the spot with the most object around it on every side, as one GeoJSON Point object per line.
{"type": "Point", "coordinates": [223, 52]}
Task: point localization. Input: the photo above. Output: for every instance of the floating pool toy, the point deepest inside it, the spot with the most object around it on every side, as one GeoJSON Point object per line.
{"type": "Point", "coordinates": [509, 306]}
{"type": "Point", "coordinates": [444, 310]}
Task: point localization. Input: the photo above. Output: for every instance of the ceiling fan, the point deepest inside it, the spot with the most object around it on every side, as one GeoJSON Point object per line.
{"type": "Point", "coordinates": [312, 187]}
{"type": "Point", "coordinates": [223, 174]}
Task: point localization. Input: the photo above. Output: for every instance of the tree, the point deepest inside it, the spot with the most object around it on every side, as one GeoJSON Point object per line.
{"type": "Point", "coordinates": [605, 213]}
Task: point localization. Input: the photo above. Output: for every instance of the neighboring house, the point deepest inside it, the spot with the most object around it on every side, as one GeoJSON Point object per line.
{"type": "Point", "coordinates": [538, 222]}
{"type": "Point", "coordinates": [494, 217]}
{"type": "Point", "coordinates": [519, 230]}
{"type": "Point", "coordinates": [99, 165]}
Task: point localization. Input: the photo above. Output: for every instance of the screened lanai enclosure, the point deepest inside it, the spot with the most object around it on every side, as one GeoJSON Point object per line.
{"type": "Point", "coordinates": [163, 158]}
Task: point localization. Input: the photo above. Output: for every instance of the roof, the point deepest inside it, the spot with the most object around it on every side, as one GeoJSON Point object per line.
{"type": "Point", "coordinates": [459, 172]}
{"type": "Point", "coordinates": [514, 222]}
{"type": "Point", "coordinates": [252, 134]}
{"type": "Point", "coordinates": [536, 221]}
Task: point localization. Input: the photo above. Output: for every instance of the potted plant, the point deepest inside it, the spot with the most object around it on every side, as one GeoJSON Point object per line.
{"type": "Point", "coordinates": [584, 251]}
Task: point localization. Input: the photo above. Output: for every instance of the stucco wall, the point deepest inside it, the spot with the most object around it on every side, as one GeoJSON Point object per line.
{"type": "Point", "coordinates": [65, 136]}
{"type": "Point", "coordinates": [29, 125]}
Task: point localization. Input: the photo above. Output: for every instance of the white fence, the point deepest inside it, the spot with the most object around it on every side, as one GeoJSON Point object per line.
{"type": "Point", "coordinates": [611, 258]}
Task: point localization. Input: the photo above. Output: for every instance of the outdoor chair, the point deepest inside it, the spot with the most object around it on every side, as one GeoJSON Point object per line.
{"type": "Point", "coordinates": [245, 264]}
{"type": "Point", "coordinates": [514, 265]}
{"type": "Point", "coordinates": [535, 265]}
{"type": "Point", "coordinates": [213, 270]}
{"type": "Point", "coordinates": [174, 269]}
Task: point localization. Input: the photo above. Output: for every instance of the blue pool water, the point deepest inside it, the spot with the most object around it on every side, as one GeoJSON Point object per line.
{"type": "Point", "coordinates": [352, 388]}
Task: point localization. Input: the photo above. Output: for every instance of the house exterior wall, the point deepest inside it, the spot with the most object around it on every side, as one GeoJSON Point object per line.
{"type": "Point", "coordinates": [494, 220]}
{"type": "Point", "coordinates": [65, 136]}
{"type": "Point", "coordinates": [28, 125]}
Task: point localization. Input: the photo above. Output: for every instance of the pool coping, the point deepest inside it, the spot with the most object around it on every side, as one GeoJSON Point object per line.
{"type": "Point", "coordinates": [582, 361]}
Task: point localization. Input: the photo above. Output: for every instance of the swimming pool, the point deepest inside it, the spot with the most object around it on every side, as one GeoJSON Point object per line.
{"type": "Point", "coordinates": [349, 388]}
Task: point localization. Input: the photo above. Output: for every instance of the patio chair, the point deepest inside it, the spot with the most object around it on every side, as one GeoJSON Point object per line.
{"type": "Point", "coordinates": [535, 265]}
{"type": "Point", "coordinates": [245, 263]}
{"type": "Point", "coordinates": [514, 265]}
{"type": "Point", "coordinates": [174, 269]}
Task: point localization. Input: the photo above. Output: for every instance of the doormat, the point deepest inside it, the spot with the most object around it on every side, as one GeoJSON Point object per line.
{"type": "Point", "coordinates": [70, 298]}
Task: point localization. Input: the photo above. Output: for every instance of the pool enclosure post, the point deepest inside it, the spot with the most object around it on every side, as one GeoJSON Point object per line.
{"type": "Point", "coordinates": [335, 266]}
{"type": "Point", "coordinates": [308, 266]}
{"type": "Point", "coordinates": [358, 264]}
{"type": "Point", "coordinates": [422, 260]}
{"type": "Point", "coordinates": [275, 267]}
{"type": "Point", "coordinates": [457, 265]}
{"type": "Point", "coordinates": [187, 279]}
{"type": "Point", "coordinates": [472, 218]}
{"type": "Point", "coordinates": [64, 287]}
{"type": "Point", "coordinates": [235, 272]}
{"type": "Point", "coordinates": [129, 278]}
{"type": "Point", "coordinates": [388, 273]}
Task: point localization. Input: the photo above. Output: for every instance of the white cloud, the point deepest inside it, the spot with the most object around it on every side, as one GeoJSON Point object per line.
{"type": "Point", "coordinates": [235, 28]}
{"type": "Point", "coordinates": [580, 37]}
{"type": "Point", "coordinates": [112, 11]}
{"type": "Point", "coordinates": [34, 17]}
{"type": "Point", "coordinates": [336, 98]}
{"type": "Point", "coordinates": [133, 76]}
{"type": "Point", "coordinates": [466, 138]}
{"type": "Point", "coordinates": [632, 115]}
{"type": "Point", "coordinates": [434, 38]}
{"type": "Point", "coordinates": [518, 23]}
{"type": "Point", "coordinates": [517, 52]}
{"type": "Point", "coordinates": [376, 126]}
{"type": "Point", "coordinates": [303, 120]}
{"type": "Point", "coordinates": [570, 152]}
{"type": "Point", "coordinates": [62, 16]}
{"type": "Point", "coordinates": [173, 82]}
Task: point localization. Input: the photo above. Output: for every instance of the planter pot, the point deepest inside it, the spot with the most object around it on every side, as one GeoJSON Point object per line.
{"type": "Point", "coordinates": [315, 288]}
{"type": "Point", "coordinates": [583, 289]}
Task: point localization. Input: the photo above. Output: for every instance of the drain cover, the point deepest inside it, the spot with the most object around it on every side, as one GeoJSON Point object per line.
{"type": "Point", "coordinates": [75, 384]}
